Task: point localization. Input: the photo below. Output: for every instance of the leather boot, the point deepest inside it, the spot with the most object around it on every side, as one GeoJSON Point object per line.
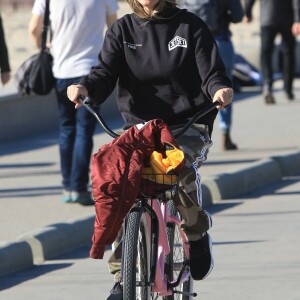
{"type": "Point", "coordinates": [227, 142]}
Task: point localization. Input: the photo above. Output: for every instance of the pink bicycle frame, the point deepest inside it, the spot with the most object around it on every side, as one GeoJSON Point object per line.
{"type": "Point", "coordinates": [163, 215]}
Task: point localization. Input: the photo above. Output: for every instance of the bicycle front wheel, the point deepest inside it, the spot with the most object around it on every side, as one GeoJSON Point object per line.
{"type": "Point", "coordinates": [176, 261]}
{"type": "Point", "coordinates": [136, 257]}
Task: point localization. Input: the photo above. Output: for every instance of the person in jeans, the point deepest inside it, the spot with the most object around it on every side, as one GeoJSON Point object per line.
{"type": "Point", "coordinates": [76, 39]}
{"type": "Point", "coordinates": [167, 66]}
{"type": "Point", "coordinates": [276, 17]}
{"type": "Point", "coordinates": [229, 11]}
{"type": "Point", "coordinates": [225, 12]}
{"type": "Point", "coordinates": [4, 60]}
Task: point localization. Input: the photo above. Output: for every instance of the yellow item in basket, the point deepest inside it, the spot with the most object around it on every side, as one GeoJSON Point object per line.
{"type": "Point", "coordinates": [161, 166]}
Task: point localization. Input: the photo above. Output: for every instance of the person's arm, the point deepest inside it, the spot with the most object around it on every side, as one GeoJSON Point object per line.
{"type": "Point", "coordinates": [248, 4]}
{"type": "Point", "coordinates": [296, 24]}
{"type": "Point", "coordinates": [215, 84]}
{"type": "Point", "coordinates": [225, 96]}
{"type": "Point", "coordinates": [35, 29]}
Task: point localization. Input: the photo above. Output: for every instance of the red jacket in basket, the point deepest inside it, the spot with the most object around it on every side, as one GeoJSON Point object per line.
{"type": "Point", "coordinates": [116, 175]}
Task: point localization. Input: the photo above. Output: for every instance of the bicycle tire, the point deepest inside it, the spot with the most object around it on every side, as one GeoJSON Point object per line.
{"type": "Point", "coordinates": [136, 262]}
{"type": "Point", "coordinates": [176, 259]}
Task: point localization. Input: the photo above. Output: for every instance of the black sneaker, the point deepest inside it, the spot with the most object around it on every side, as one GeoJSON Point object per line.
{"type": "Point", "coordinates": [116, 292]}
{"type": "Point", "coordinates": [290, 96]}
{"type": "Point", "coordinates": [201, 260]}
{"type": "Point", "coordinates": [269, 99]}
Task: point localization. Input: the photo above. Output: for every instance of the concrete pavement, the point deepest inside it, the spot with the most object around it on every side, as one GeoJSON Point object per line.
{"type": "Point", "coordinates": [36, 225]}
{"type": "Point", "coordinates": [256, 255]}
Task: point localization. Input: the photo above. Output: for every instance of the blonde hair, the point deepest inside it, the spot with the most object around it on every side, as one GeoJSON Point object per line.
{"type": "Point", "coordinates": [140, 12]}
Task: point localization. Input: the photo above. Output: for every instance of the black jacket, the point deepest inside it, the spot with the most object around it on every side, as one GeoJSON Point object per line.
{"type": "Point", "coordinates": [4, 62]}
{"type": "Point", "coordinates": [296, 7]}
{"type": "Point", "coordinates": [276, 12]}
{"type": "Point", "coordinates": [167, 67]}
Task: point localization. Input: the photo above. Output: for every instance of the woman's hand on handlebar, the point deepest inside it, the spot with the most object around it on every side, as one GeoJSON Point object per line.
{"type": "Point", "coordinates": [74, 91]}
{"type": "Point", "coordinates": [225, 96]}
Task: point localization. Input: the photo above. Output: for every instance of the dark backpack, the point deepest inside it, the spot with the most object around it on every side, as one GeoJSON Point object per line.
{"type": "Point", "coordinates": [35, 74]}
{"type": "Point", "coordinates": [207, 10]}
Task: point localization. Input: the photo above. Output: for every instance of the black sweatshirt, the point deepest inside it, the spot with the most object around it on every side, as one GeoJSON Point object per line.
{"type": "Point", "coordinates": [167, 67]}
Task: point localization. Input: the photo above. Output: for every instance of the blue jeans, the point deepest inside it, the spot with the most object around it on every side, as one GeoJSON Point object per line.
{"type": "Point", "coordinates": [76, 129]}
{"type": "Point", "coordinates": [226, 51]}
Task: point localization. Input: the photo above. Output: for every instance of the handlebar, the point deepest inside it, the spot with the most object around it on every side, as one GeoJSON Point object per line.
{"type": "Point", "coordinates": [87, 103]}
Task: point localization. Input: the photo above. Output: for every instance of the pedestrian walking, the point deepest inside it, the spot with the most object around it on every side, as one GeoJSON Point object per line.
{"type": "Point", "coordinates": [229, 11]}
{"type": "Point", "coordinates": [218, 14]}
{"type": "Point", "coordinates": [276, 17]}
{"type": "Point", "coordinates": [76, 39]}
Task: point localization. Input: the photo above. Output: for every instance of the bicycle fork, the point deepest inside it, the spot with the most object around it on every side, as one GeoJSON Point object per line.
{"type": "Point", "coordinates": [160, 247]}
{"type": "Point", "coordinates": [160, 217]}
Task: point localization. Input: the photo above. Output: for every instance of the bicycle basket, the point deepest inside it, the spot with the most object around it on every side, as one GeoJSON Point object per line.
{"type": "Point", "coordinates": [158, 185]}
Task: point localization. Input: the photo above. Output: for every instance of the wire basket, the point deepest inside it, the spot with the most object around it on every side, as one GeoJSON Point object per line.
{"type": "Point", "coordinates": [162, 186]}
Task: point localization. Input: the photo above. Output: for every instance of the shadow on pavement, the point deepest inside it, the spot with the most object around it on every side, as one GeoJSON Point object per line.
{"type": "Point", "coordinates": [238, 242]}
{"type": "Point", "coordinates": [25, 165]}
{"type": "Point", "coordinates": [33, 173]}
{"type": "Point", "coordinates": [45, 140]}
{"type": "Point", "coordinates": [215, 208]}
{"type": "Point", "coordinates": [29, 143]}
{"type": "Point", "coordinates": [30, 192]}
{"type": "Point", "coordinates": [11, 280]}
{"type": "Point", "coordinates": [228, 162]}
{"type": "Point", "coordinates": [273, 189]}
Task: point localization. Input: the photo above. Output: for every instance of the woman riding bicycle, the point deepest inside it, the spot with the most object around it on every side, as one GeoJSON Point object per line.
{"type": "Point", "coordinates": [167, 66]}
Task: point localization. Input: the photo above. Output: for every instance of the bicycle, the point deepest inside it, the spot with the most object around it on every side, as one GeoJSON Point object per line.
{"type": "Point", "coordinates": [155, 251]}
